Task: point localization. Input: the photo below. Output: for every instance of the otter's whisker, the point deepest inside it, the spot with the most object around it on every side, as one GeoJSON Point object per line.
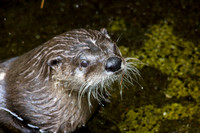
{"type": "Point", "coordinates": [119, 37]}
{"type": "Point", "coordinates": [127, 74]}
{"type": "Point", "coordinates": [130, 66]}
{"type": "Point", "coordinates": [102, 86]}
{"type": "Point", "coordinates": [81, 92]}
{"type": "Point", "coordinates": [121, 79]}
{"type": "Point", "coordinates": [107, 92]}
{"type": "Point", "coordinates": [133, 70]}
{"type": "Point", "coordinates": [121, 82]}
{"type": "Point", "coordinates": [134, 59]}
{"type": "Point", "coordinates": [97, 95]}
{"type": "Point", "coordinates": [89, 95]}
{"type": "Point", "coordinates": [127, 80]}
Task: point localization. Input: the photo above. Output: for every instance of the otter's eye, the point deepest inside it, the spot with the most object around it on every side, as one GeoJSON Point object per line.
{"type": "Point", "coordinates": [84, 63]}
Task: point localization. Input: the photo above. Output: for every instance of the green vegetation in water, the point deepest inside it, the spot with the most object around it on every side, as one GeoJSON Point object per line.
{"type": "Point", "coordinates": [179, 60]}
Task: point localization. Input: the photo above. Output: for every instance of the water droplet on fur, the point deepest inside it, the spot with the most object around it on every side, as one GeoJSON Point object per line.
{"type": "Point", "coordinates": [77, 6]}
{"type": "Point", "coordinates": [83, 125]}
{"type": "Point", "coordinates": [101, 104]}
{"type": "Point", "coordinates": [42, 131]}
{"type": "Point", "coordinates": [55, 99]}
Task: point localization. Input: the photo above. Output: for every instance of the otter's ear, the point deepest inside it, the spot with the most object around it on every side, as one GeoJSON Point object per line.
{"type": "Point", "coordinates": [53, 63]}
{"type": "Point", "coordinates": [104, 31]}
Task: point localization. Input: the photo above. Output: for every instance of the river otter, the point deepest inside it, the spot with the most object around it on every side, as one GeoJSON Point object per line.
{"type": "Point", "coordinates": [58, 86]}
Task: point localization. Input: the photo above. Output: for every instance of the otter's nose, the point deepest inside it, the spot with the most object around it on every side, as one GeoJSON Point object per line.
{"type": "Point", "coordinates": [113, 64]}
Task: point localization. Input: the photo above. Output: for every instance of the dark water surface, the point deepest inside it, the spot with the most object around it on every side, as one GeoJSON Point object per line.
{"type": "Point", "coordinates": [24, 25]}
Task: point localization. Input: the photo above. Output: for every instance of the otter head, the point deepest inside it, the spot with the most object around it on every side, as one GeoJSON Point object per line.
{"type": "Point", "coordinates": [89, 62]}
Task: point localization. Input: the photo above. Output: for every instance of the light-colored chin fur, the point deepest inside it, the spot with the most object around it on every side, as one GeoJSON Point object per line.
{"type": "Point", "coordinates": [97, 87]}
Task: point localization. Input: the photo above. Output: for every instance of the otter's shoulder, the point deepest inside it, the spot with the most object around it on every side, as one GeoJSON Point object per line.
{"type": "Point", "coordinates": [4, 66]}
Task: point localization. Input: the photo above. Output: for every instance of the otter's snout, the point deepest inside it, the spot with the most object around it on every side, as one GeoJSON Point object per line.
{"type": "Point", "coordinates": [113, 64]}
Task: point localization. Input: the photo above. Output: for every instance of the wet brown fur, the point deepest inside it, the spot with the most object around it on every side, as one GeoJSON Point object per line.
{"type": "Point", "coordinates": [42, 86]}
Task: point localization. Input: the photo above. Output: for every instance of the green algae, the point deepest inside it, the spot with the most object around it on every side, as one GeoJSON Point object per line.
{"type": "Point", "coordinates": [178, 59]}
